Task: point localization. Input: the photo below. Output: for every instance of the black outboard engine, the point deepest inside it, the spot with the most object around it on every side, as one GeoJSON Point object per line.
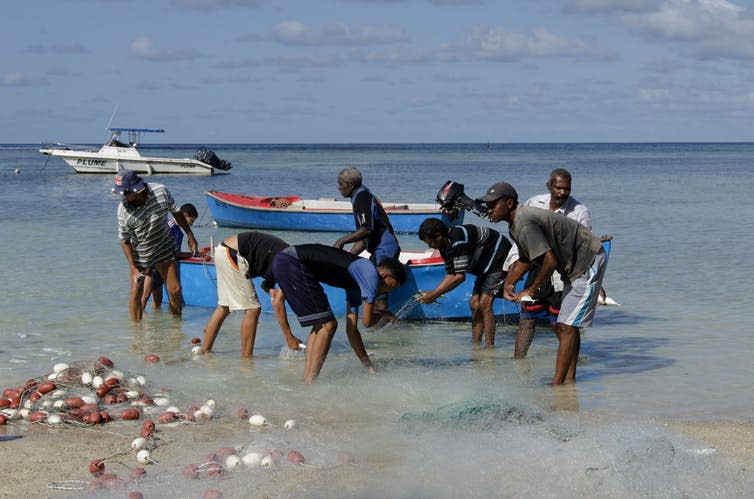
{"type": "Point", "coordinates": [209, 157]}
{"type": "Point", "coordinates": [452, 199]}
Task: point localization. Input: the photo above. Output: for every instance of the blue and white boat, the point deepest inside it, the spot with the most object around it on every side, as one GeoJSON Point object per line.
{"type": "Point", "coordinates": [321, 215]}
{"type": "Point", "coordinates": [425, 270]}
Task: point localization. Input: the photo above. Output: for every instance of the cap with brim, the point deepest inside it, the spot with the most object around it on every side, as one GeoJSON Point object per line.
{"type": "Point", "coordinates": [497, 191]}
{"type": "Point", "coordinates": [127, 182]}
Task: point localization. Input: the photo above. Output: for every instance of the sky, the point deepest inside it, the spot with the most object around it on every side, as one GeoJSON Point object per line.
{"type": "Point", "coordinates": [378, 71]}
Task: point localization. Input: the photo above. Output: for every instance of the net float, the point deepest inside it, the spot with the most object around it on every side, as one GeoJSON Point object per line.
{"type": "Point", "coordinates": [46, 387]}
{"type": "Point", "coordinates": [54, 419]}
{"type": "Point", "coordinates": [152, 358]}
{"type": "Point", "coordinates": [104, 362]}
{"type": "Point", "coordinates": [224, 452]}
{"type": "Point", "coordinates": [295, 457]}
{"type": "Point", "coordinates": [130, 413]}
{"type": "Point", "coordinates": [197, 350]}
{"type": "Point", "coordinates": [267, 462]}
{"type": "Point", "coordinates": [212, 494]}
{"type": "Point", "coordinates": [3, 420]}
{"type": "Point", "coordinates": [214, 470]}
{"type": "Point", "coordinates": [89, 399]}
{"type": "Point", "coordinates": [4, 403]}
{"type": "Point", "coordinates": [62, 366]}
{"type": "Point", "coordinates": [139, 443]}
{"type": "Point", "coordinates": [135, 494]}
{"type": "Point", "coordinates": [112, 381]}
{"type": "Point", "coordinates": [290, 424]}
{"type": "Point", "coordinates": [86, 378]}
{"type": "Point", "coordinates": [143, 457]}
{"type": "Point", "coordinates": [166, 417]}
{"type": "Point", "coordinates": [137, 473]}
{"type": "Point", "coordinates": [257, 420]}
{"type": "Point", "coordinates": [97, 467]}
{"type": "Point", "coordinates": [232, 462]}
{"type": "Point", "coordinates": [242, 413]}
{"type": "Point", "coordinates": [98, 381]}
{"type": "Point", "coordinates": [190, 471]}
{"type": "Point", "coordinates": [37, 416]}
{"type": "Point", "coordinates": [196, 341]}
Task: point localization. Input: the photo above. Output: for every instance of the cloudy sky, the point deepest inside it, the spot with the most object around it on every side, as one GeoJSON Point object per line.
{"type": "Point", "coordinates": [307, 71]}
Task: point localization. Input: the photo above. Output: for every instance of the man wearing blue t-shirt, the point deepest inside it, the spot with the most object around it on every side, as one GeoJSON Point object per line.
{"type": "Point", "coordinates": [299, 270]}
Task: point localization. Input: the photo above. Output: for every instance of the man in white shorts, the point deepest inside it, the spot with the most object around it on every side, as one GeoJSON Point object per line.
{"type": "Point", "coordinates": [557, 243]}
{"type": "Point", "coordinates": [237, 259]}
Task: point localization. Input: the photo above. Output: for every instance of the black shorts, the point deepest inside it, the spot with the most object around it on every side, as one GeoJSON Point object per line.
{"type": "Point", "coordinates": [302, 290]}
{"type": "Point", "coordinates": [490, 283]}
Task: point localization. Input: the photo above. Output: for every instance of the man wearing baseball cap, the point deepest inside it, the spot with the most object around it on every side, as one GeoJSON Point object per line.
{"type": "Point", "coordinates": [146, 239]}
{"type": "Point", "coordinates": [556, 243]}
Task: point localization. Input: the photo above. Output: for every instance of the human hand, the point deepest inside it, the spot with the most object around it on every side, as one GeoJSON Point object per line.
{"type": "Point", "coordinates": [425, 297]}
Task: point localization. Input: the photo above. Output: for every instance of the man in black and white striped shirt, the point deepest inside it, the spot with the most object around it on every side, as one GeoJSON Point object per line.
{"type": "Point", "coordinates": [145, 237]}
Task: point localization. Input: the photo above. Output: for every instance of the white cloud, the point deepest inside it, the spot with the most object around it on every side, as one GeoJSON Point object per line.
{"type": "Point", "coordinates": [144, 48]}
{"type": "Point", "coordinates": [704, 29]}
{"type": "Point", "coordinates": [293, 32]}
{"type": "Point", "coordinates": [499, 44]}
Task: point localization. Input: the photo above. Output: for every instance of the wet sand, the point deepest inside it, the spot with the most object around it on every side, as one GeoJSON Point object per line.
{"type": "Point", "coordinates": [45, 455]}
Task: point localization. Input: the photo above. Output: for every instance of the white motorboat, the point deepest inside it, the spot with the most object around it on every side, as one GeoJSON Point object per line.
{"type": "Point", "coordinates": [115, 155]}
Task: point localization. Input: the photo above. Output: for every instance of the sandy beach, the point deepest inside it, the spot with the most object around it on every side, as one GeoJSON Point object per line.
{"type": "Point", "coordinates": [45, 456]}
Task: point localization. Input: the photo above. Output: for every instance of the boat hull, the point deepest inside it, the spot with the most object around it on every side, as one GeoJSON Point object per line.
{"type": "Point", "coordinates": [199, 283]}
{"type": "Point", "coordinates": [424, 272]}
{"type": "Point", "coordinates": [235, 210]}
{"type": "Point", "coordinates": [97, 162]}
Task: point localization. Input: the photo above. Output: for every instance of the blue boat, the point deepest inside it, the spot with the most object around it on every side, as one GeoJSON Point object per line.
{"type": "Point", "coordinates": [425, 271]}
{"type": "Point", "coordinates": [320, 215]}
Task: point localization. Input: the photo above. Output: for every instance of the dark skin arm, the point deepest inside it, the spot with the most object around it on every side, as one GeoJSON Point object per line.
{"type": "Point", "coordinates": [354, 338]}
{"type": "Point", "coordinates": [358, 237]}
{"type": "Point", "coordinates": [549, 265]}
{"type": "Point", "coordinates": [448, 283]}
{"type": "Point", "coordinates": [183, 224]}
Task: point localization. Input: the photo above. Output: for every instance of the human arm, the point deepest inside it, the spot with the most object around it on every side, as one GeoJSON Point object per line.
{"type": "Point", "coordinates": [549, 265]}
{"type": "Point", "coordinates": [277, 298]}
{"type": "Point", "coordinates": [354, 338]}
{"type": "Point", "coordinates": [183, 224]}
{"type": "Point", "coordinates": [358, 237]}
{"type": "Point", "coordinates": [448, 283]}
{"type": "Point", "coordinates": [515, 272]}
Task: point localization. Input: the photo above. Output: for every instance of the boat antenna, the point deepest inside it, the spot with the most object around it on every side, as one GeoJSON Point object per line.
{"type": "Point", "coordinates": [112, 116]}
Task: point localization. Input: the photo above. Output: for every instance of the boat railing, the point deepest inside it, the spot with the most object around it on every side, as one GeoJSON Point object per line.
{"type": "Point", "coordinates": [68, 147]}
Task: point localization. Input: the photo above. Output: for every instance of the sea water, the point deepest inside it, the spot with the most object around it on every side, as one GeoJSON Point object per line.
{"type": "Point", "coordinates": [441, 418]}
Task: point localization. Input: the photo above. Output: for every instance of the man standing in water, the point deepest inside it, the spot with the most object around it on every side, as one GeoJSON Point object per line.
{"type": "Point", "coordinates": [145, 237]}
{"type": "Point", "coordinates": [300, 269]}
{"type": "Point", "coordinates": [556, 243]}
{"type": "Point", "coordinates": [557, 200]}
{"type": "Point", "coordinates": [238, 258]}
{"type": "Point", "coordinates": [472, 249]}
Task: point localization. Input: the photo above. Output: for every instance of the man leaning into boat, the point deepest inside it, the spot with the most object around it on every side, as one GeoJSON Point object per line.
{"type": "Point", "coordinates": [146, 239]}
{"type": "Point", "coordinates": [557, 243]}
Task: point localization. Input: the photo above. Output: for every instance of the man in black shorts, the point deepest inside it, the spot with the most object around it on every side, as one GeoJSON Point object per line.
{"type": "Point", "coordinates": [300, 269]}
{"type": "Point", "coordinates": [478, 250]}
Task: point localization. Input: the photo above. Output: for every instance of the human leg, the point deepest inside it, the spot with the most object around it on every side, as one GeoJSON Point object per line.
{"type": "Point", "coordinates": [318, 344]}
{"type": "Point", "coordinates": [169, 272]}
{"type": "Point", "coordinates": [135, 308]}
{"type": "Point", "coordinates": [569, 344]}
{"type": "Point", "coordinates": [477, 320]}
{"type": "Point", "coordinates": [249, 324]}
{"type": "Point", "coordinates": [213, 326]}
{"type": "Point", "coordinates": [488, 319]}
{"type": "Point", "coordinates": [277, 298]}
{"type": "Point", "coordinates": [524, 337]}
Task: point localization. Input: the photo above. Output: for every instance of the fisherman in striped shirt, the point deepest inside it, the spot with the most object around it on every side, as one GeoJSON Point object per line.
{"type": "Point", "coordinates": [472, 249]}
{"type": "Point", "coordinates": [145, 237]}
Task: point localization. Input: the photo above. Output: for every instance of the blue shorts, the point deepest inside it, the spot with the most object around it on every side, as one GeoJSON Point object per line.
{"type": "Point", "coordinates": [301, 288]}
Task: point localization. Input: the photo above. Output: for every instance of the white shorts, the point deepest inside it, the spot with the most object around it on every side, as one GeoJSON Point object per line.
{"type": "Point", "coordinates": [580, 296]}
{"type": "Point", "coordinates": [234, 289]}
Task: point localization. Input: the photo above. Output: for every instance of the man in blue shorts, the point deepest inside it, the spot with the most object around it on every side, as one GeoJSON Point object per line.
{"type": "Point", "coordinates": [556, 243]}
{"type": "Point", "coordinates": [300, 269]}
{"type": "Point", "coordinates": [472, 249]}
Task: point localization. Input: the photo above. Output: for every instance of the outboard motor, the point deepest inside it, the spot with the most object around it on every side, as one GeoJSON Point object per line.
{"type": "Point", "coordinates": [209, 157]}
{"type": "Point", "coordinates": [452, 199]}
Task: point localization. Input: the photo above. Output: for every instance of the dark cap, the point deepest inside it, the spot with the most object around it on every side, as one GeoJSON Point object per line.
{"type": "Point", "coordinates": [127, 182]}
{"type": "Point", "coordinates": [499, 190]}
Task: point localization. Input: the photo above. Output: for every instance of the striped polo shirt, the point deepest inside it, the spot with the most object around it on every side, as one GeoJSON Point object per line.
{"type": "Point", "coordinates": [146, 227]}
